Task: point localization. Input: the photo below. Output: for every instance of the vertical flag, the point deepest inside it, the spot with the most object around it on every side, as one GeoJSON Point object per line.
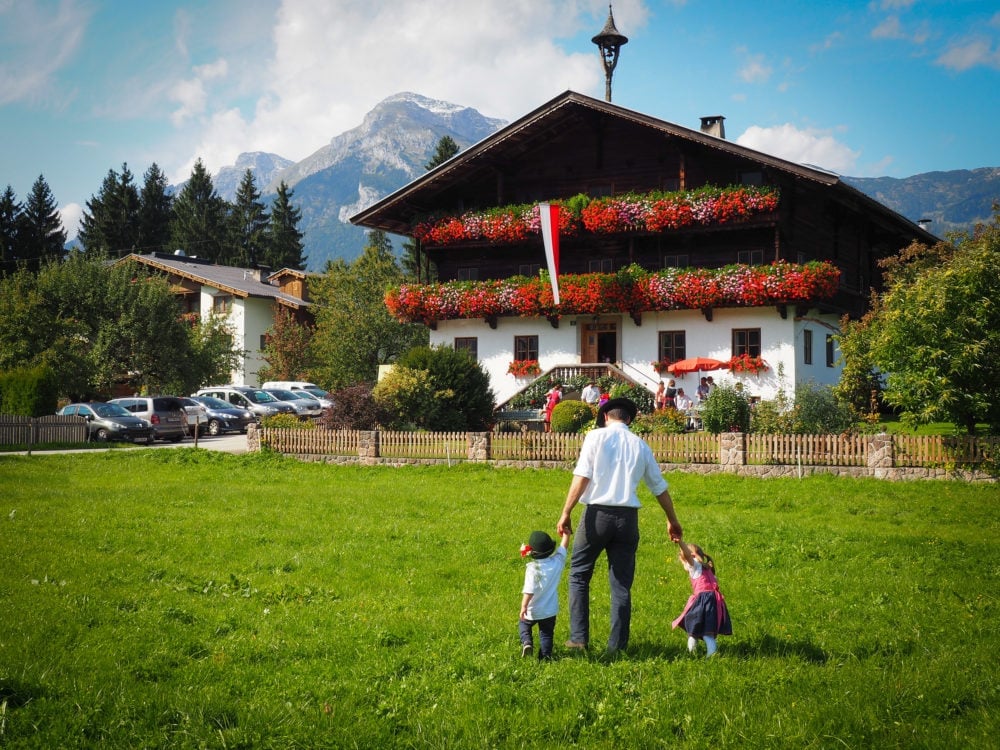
{"type": "Point", "coordinates": [549, 216]}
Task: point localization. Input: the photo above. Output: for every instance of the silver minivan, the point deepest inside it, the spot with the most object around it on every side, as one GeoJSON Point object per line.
{"type": "Point", "coordinates": [255, 400]}
{"type": "Point", "coordinates": [165, 413]}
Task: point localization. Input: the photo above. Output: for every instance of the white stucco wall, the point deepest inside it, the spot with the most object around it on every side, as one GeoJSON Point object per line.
{"type": "Point", "coordinates": [781, 346]}
{"type": "Point", "coordinates": [249, 318]}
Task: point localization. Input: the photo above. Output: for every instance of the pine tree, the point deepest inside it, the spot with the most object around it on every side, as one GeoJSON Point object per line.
{"type": "Point", "coordinates": [41, 236]}
{"type": "Point", "coordinates": [249, 225]}
{"type": "Point", "coordinates": [10, 220]}
{"type": "Point", "coordinates": [199, 226]}
{"type": "Point", "coordinates": [110, 225]}
{"type": "Point", "coordinates": [155, 211]}
{"type": "Point", "coordinates": [284, 240]}
{"type": "Point", "coordinates": [446, 148]}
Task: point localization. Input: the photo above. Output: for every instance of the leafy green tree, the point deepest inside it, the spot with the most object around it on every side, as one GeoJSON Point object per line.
{"type": "Point", "coordinates": [212, 356]}
{"type": "Point", "coordinates": [41, 236]}
{"type": "Point", "coordinates": [110, 225]}
{"type": "Point", "coordinates": [935, 332]}
{"type": "Point", "coordinates": [354, 331]}
{"type": "Point", "coordinates": [461, 397]}
{"type": "Point", "coordinates": [156, 207]}
{"type": "Point", "coordinates": [286, 348]}
{"type": "Point", "coordinates": [249, 225]}
{"type": "Point", "coordinates": [10, 221]}
{"type": "Point", "coordinates": [200, 223]}
{"type": "Point", "coordinates": [34, 334]}
{"type": "Point", "coordinates": [95, 326]}
{"type": "Point", "coordinates": [284, 240]}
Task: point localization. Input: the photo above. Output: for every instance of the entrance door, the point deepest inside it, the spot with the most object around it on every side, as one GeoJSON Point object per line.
{"type": "Point", "coordinates": [599, 341]}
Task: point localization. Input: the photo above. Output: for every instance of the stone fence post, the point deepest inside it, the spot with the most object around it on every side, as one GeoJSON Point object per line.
{"type": "Point", "coordinates": [368, 445]}
{"type": "Point", "coordinates": [479, 446]}
{"type": "Point", "coordinates": [881, 455]}
{"type": "Point", "coordinates": [732, 451]}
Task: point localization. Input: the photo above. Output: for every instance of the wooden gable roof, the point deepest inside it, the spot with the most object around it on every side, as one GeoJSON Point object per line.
{"type": "Point", "coordinates": [559, 148]}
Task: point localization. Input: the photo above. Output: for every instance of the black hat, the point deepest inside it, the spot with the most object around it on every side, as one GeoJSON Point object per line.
{"type": "Point", "coordinates": [541, 545]}
{"type": "Point", "coordinates": [626, 404]}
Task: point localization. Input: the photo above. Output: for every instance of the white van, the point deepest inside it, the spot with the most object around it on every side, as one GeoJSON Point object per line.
{"type": "Point", "coordinates": [301, 385]}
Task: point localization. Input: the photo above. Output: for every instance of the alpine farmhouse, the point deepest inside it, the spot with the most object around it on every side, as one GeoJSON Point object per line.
{"type": "Point", "coordinates": [673, 243]}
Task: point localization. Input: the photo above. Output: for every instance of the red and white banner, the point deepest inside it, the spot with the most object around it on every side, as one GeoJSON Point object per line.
{"type": "Point", "coordinates": [549, 216]}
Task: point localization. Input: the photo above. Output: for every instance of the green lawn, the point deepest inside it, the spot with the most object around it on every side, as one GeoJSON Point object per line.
{"type": "Point", "coordinates": [186, 598]}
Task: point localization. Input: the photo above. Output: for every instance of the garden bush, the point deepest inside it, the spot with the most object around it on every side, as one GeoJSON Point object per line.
{"type": "Point", "coordinates": [571, 416]}
{"type": "Point", "coordinates": [460, 389]}
{"type": "Point", "coordinates": [354, 408]}
{"type": "Point", "coordinates": [669, 421]}
{"type": "Point", "coordinates": [287, 422]}
{"type": "Point", "coordinates": [726, 410]}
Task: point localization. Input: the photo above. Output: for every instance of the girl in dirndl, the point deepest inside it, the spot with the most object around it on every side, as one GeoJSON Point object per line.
{"type": "Point", "coordinates": [705, 615]}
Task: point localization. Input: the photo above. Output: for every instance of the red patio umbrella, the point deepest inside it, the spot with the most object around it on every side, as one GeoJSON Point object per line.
{"type": "Point", "coordinates": [696, 364]}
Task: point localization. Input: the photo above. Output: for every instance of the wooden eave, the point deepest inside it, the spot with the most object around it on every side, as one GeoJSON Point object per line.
{"type": "Point", "coordinates": [396, 212]}
{"type": "Point", "coordinates": [166, 268]}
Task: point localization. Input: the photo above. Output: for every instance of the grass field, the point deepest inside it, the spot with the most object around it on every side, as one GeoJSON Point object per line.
{"type": "Point", "coordinates": [184, 598]}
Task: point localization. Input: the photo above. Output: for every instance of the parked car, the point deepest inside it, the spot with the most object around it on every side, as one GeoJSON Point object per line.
{"type": "Point", "coordinates": [197, 417]}
{"type": "Point", "coordinates": [165, 413]}
{"type": "Point", "coordinates": [110, 422]}
{"type": "Point", "coordinates": [224, 417]}
{"type": "Point", "coordinates": [255, 400]}
{"type": "Point", "coordinates": [304, 404]}
{"type": "Point", "coordinates": [325, 398]}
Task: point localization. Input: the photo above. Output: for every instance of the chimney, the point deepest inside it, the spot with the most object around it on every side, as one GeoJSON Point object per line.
{"type": "Point", "coordinates": [714, 125]}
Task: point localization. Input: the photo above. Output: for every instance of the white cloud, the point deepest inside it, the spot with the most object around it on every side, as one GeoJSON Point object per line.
{"type": "Point", "coordinates": [333, 61]}
{"type": "Point", "coordinates": [37, 42]}
{"type": "Point", "coordinates": [802, 146]}
{"type": "Point", "coordinates": [191, 93]}
{"type": "Point", "coordinates": [71, 214]}
{"type": "Point", "coordinates": [970, 53]}
{"type": "Point", "coordinates": [755, 69]}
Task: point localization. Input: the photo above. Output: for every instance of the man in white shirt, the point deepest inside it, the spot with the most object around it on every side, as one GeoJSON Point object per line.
{"type": "Point", "coordinates": [591, 394]}
{"type": "Point", "coordinates": [612, 462]}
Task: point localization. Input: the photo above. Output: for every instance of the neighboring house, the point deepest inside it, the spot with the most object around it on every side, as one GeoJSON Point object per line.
{"type": "Point", "coordinates": [655, 265]}
{"type": "Point", "coordinates": [247, 298]}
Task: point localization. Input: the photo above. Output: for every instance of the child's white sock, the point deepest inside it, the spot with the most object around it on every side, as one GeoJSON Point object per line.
{"type": "Point", "coordinates": [710, 645]}
{"type": "Point", "coordinates": [692, 644]}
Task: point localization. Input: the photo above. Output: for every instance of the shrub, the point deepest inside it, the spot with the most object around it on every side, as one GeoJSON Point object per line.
{"type": "Point", "coordinates": [669, 421]}
{"type": "Point", "coordinates": [406, 398]}
{"type": "Point", "coordinates": [29, 391]}
{"type": "Point", "coordinates": [817, 411]}
{"type": "Point", "coordinates": [571, 416]}
{"type": "Point", "coordinates": [354, 408]}
{"type": "Point", "coordinates": [726, 410]}
{"type": "Point", "coordinates": [287, 422]}
{"type": "Point", "coordinates": [460, 389]}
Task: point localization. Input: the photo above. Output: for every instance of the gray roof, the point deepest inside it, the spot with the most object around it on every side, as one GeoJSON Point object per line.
{"type": "Point", "coordinates": [241, 282]}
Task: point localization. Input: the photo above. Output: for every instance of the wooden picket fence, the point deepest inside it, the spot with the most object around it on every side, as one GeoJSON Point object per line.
{"type": "Point", "coordinates": [316, 442]}
{"type": "Point", "coordinates": [535, 446]}
{"type": "Point", "coordinates": [18, 430]}
{"type": "Point", "coordinates": [701, 447]}
{"type": "Point", "coordinates": [808, 450]}
{"type": "Point", "coordinates": [447, 445]}
{"type": "Point", "coordinates": [947, 450]}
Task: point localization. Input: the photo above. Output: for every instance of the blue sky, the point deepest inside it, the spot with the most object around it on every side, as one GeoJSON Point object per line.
{"type": "Point", "coordinates": [881, 88]}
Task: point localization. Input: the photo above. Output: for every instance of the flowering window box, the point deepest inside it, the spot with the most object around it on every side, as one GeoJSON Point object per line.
{"type": "Point", "coordinates": [653, 212]}
{"type": "Point", "coordinates": [744, 363]}
{"type": "Point", "coordinates": [524, 368]}
{"type": "Point", "coordinates": [631, 290]}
